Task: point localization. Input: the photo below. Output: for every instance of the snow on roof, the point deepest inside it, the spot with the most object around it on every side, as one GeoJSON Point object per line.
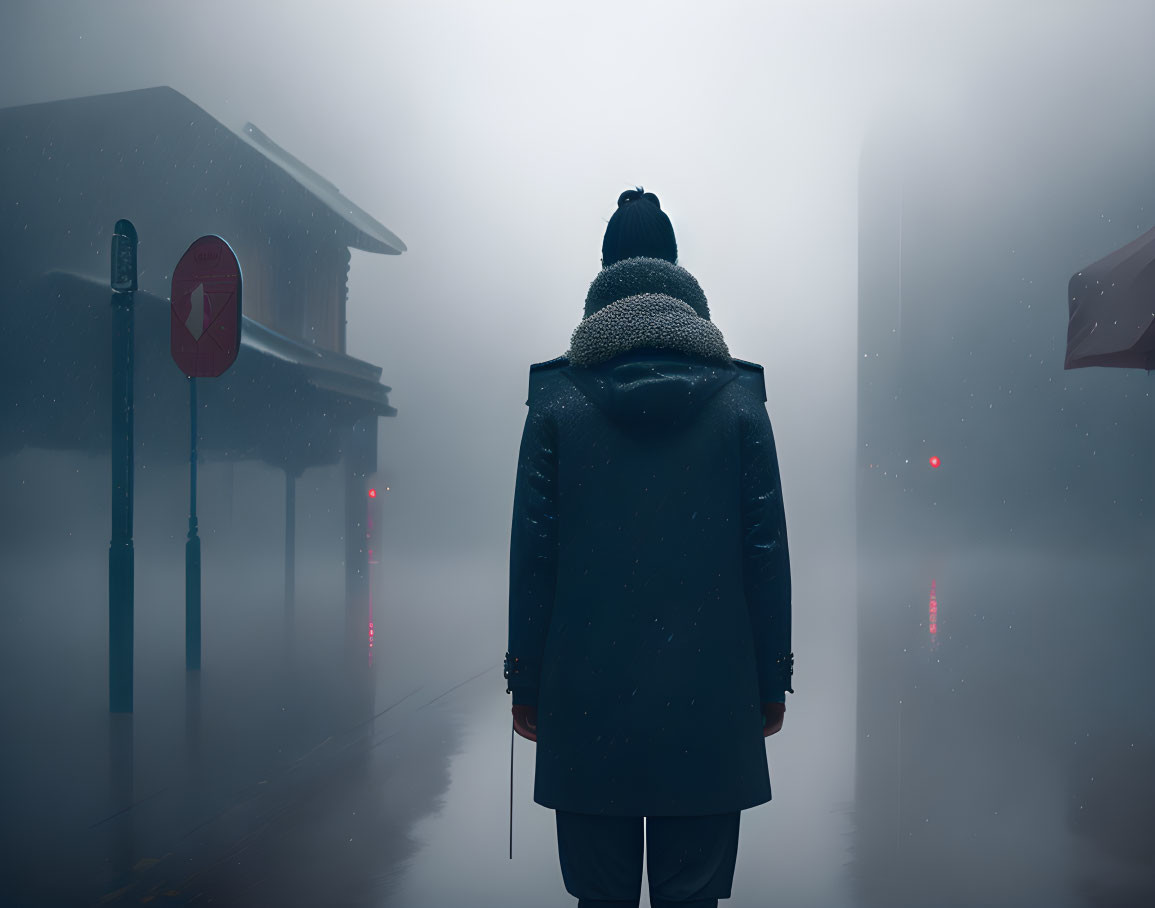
{"type": "Point", "coordinates": [324, 190]}
{"type": "Point", "coordinates": [144, 115]}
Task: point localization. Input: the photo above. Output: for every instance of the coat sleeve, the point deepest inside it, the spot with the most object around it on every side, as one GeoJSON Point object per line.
{"type": "Point", "coordinates": [532, 555]}
{"type": "Point", "coordinates": [765, 558]}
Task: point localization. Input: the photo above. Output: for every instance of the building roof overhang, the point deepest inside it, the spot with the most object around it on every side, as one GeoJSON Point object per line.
{"type": "Point", "coordinates": [376, 237]}
{"type": "Point", "coordinates": [284, 402]}
{"type": "Point", "coordinates": [142, 118]}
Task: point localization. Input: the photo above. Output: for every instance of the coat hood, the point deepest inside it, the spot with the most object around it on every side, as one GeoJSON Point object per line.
{"type": "Point", "coordinates": [650, 387]}
{"type": "Point", "coordinates": [645, 356]}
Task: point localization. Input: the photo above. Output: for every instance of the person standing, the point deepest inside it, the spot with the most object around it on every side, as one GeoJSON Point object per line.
{"type": "Point", "coordinates": [649, 592]}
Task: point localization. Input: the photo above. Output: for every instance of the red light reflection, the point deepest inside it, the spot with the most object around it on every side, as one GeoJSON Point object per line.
{"type": "Point", "coordinates": [933, 610]}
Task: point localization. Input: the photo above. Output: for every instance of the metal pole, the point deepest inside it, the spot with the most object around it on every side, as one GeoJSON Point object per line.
{"type": "Point", "coordinates": [121, 781]}
{"type": "Point", "coordinates": [120, 550]}
{"type": "Point", "coordinates": [290, 540]}
{"type": "Point", "coordinates": [511, 728]}
{"type": "Point", "coordinates": [192, 551]}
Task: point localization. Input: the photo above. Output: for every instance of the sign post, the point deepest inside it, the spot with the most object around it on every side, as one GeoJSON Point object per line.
{"type": "Point", "coordinates": [205, 334]}
{"type": "Point", "coordinates": [120, 549]}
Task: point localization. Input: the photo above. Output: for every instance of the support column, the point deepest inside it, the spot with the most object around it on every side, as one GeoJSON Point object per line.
{"type": "Point", "coordinates": [290, 541]}
{"type": "Point", "coordinates": [360, 460]}
{"type": "Point", "coordinates": [121, 551]}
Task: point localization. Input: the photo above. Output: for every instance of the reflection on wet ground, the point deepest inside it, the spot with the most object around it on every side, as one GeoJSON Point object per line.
{"type": "Point", "coordinates": [1005, 763]}
{"type": "Point", "coordinates": [793, 850]}
{"type": "Point", "coordinates": [269, 784]}
{"type": "Point", "coordinates": [281, 778]}
{"type": "Point", "coordinates": [284, 781]}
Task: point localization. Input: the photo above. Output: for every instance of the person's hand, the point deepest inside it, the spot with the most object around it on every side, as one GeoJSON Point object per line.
{"type": "Point", "coordinates": [525, 721]}
{"type": "Point", "coordinates": [772, 715]}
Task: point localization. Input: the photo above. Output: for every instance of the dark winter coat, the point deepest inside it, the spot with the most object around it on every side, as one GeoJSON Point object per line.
{"type": "Point", "coordinates": [649, 609]}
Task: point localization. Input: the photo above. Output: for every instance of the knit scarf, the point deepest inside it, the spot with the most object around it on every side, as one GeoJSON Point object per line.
{"type": "Point", "coordinates": [644, 302]}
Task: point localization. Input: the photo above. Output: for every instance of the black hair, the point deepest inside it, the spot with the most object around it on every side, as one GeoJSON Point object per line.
{"type": "Point", "coordinates": [639, 228]}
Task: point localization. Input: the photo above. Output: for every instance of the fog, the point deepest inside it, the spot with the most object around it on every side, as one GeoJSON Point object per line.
{"type": "Point", "coordinates": [494, 139]}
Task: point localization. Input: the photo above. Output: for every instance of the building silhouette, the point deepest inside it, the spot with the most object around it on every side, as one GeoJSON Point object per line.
{"type": "Point", "coordinates": [293, 400]}
{"type": "Point", "coordinates": [1033, 533]}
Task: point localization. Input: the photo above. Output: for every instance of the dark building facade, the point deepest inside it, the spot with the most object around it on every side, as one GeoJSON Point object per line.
{"type": "Point", "coordinates": [1001, 588]}
{"type": "Point", "coordinates": [287, 445]}
{"type": "Point", "coordinates": [293, 400]}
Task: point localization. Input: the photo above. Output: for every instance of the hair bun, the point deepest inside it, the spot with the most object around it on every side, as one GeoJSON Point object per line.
{"type": "Point", "coordinates": [638, 229]}
{"type": "Point", "coordinates": [633, 195]}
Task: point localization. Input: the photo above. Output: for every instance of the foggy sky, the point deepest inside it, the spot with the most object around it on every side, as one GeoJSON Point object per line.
{"type": "Point", "coordinates": [494, 139]}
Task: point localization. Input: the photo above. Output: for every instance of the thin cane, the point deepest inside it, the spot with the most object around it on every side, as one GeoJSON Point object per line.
{"type": "Point", "coordinates": [511, 788]}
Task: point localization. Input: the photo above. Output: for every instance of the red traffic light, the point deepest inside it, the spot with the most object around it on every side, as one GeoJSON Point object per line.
{"type": "Point", "coordinates": [934, 462]}
{"type": "Point", "coordinates": [372, 493]}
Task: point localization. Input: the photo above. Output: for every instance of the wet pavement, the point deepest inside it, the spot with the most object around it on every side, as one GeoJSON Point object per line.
{"type": "Point", "coordinates": [278, 781]}
{"type": "Point", "coordinates": [296, 773]}
{"type": "Point", "coordinates": [300, 774]}
{"type": "Point", "coordinates": [793, 850]}
{"type": "Point", "coordinates": [289, 778]}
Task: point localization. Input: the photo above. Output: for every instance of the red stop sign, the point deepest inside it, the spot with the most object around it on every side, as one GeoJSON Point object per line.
{"type": "Point", "coordinates": [206, 308]}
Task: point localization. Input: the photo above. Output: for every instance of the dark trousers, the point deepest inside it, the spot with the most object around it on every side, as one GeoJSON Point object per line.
{"type": "Point", "coordinates": [690, 859]}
